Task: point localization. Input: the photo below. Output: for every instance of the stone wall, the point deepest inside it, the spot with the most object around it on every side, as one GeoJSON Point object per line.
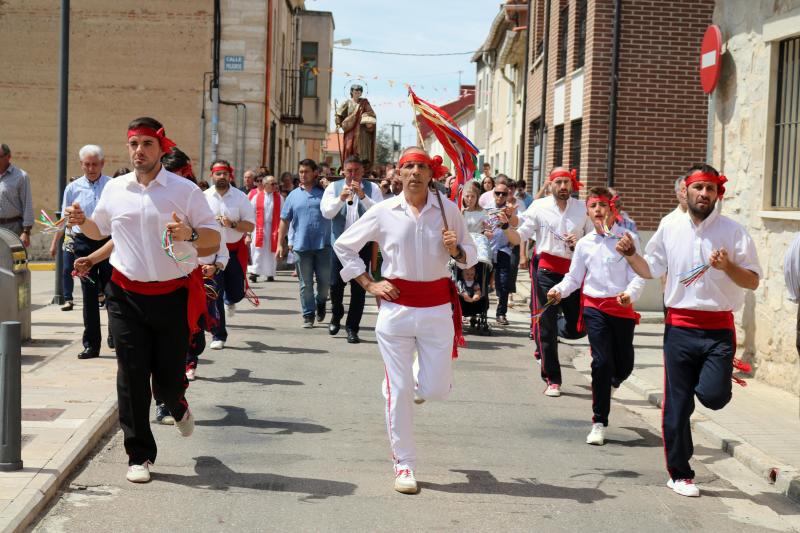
{"type": "Point", "coordinates": [766, 326]}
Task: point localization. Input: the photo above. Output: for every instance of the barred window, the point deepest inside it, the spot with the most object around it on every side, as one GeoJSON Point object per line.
{"type": "Point", "coordinates": [535, 136]}
{"type": "Point", "coordinates": [558, 146]}
{"type": "Point", "coordinates": [575, 131]}
{"type": "Point", "coordinates": [563, 36]}
{"type": "Point", "coordinates": [786, 155]}
{"type": "Point", "coordinates": [580, 37]}
{"type": "Point", "coordinates": [309, 52]}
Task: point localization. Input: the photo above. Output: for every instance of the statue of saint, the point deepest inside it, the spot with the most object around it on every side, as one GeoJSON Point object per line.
{"type": "Point", "coordinates": [357, 119]}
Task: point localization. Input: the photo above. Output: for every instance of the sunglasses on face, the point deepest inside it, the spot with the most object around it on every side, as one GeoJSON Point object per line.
{"type": "Point", "coordinates": [500, 193]}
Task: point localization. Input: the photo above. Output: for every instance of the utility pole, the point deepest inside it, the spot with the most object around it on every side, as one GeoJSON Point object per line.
{"type": "Point", "coordinates": [459, 82]}
{"type": "Point", "coordinates": [63, 107]}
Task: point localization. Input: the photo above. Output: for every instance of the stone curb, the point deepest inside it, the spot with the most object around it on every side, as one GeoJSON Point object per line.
{"type": "Point", "coordinates": [25, 509]}
{"type": "Point", "coordinates": [785, 478]}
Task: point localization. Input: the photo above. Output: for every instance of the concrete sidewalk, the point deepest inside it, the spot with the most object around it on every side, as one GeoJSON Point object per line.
{"type": "Point", "coordinates": [759, 427]}
{"type": "Point", "coordinates": [67, 406]}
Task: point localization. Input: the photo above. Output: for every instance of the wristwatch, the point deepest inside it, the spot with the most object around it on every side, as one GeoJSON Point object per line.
{"type": "Point", "coordinates": [504, 226]}
{"type": "Point", "coordinates": [234, 224]}
{"type": "Point", "coordinates": [194, 236]}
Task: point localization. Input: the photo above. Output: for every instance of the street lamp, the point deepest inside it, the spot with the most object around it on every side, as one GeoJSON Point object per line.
{"type": "Point", "coordinates": [343, 42]}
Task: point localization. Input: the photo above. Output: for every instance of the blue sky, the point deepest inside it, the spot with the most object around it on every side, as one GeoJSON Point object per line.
{"type": "Point", "coordinates": [411, 26]}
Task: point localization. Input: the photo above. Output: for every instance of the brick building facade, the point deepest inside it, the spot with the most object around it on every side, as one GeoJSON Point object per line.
{"type": "Point", "coordinates": [148, 59]}
{"type": "Point", "coordinates": [660, 108]}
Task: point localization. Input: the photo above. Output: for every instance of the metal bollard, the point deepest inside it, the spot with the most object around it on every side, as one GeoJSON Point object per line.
{"type": "Point", "coordinates": [10, 396]}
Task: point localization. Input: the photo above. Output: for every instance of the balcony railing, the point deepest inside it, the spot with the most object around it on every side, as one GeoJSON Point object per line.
{"type": "Point", "coordinates": [291, 102]}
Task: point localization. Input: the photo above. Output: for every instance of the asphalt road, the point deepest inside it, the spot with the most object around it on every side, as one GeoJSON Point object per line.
{"type": "Point", "coordinates": [290, 436]}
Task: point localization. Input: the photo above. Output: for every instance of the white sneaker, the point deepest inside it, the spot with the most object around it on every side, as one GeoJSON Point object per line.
{"type": "Point", "coordinates": [186, 425]}
{"type": "Point", "coordinates": [405, 482]}
{"type": "Point", "coordinates": [230, 310]}
{"type": "Point", "coordinates": [217, 345]}
{"type": "Point", "coordinates": [553, 390]}
{"type": "Point", "coordinates": [191, 374]}
{"type": "Point", "coordinates": [139, 473]}
{"type": "Point", "coordinates": [684, 487]}
{"type": "Point", "coordinates": [597, 436]}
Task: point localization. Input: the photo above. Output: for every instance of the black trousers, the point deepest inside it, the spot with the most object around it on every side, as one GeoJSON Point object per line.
{"type": "Point", "coordinates": [151, 335]}
{"type": "Point", "coordinates": [91, 287]}
{"type": "Point", "coordinates": [548, 331]}
{"type": "Point", "coordinates": [698, 363]}
{"type": "Point", "coordinates": [357, 294]}
{"type": "Point", "coordinates": [503, 270]}
{"type": "Point", "coordinates": [230, 285]}
{"type": "Point", "coordinates": [611, 340]}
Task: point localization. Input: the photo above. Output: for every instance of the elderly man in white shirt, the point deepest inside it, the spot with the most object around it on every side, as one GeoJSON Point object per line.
{"type": "Point", "coordinates": [154, 300]}
{"type": "Point", "coordinates": [610, 287]}
{"type": "Point", "coordinates": [237, 216]}
{"type": "Point", "coordinates": [709, 259]}
{"type": "Point", "coordinates": [556, 222]}
{"type": "Point", "coordinates": [343, 203]}
{"type": "Point", "coordinates": [420, 309]}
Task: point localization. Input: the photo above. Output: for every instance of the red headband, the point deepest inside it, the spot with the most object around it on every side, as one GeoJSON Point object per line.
{"type": "Point", "coordinates": [163, 141]}
{"type": "Point", "coordinates": [185, 169]}
{"type": "Point", "coordinates": [699, 175]}
{"type": "Point", "coordinates": [435, 163]}
{"type": "Point", "coordinates": [612, 204]}
{"type": "Point", "coordinates": [222, 166]}
{"type": "Point", "coordinates": [571, 174]}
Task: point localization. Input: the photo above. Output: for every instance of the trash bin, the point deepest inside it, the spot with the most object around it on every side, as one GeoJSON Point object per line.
{"type": "Point", "coordinates": [15, 282]}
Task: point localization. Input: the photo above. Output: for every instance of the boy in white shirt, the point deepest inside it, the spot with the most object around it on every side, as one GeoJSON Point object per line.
{"type": "Point", "coordinates": [610, 286]}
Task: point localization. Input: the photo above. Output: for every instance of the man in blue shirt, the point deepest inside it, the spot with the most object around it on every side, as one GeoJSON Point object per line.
{"type": "Point", "coordinates": [311, 241]}
{"type": "Point", "coordinates": [86, 191]}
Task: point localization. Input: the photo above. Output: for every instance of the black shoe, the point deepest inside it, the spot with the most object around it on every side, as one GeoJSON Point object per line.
{"type": "Point", "coordinates": [501, 319]}
{"type": "Point", "coordinates": [270, 278]}
{"type": "Point", "coordinates": [308, 321]}
{"type": "Point", "coordinates": [88, 353]}
{"type": "Point", "coordinates": [320, 312]}
{"type": "Point", "coordinates": [352, 337]}
{"type": "Point", "coordinates": [68, 305]}
{"type": "Point", "coordinates": [253, 278]}
{"type": "Point", "coordinates": [334, 326]}
{"type": "Point", "coordinates": [110, 341]}
{"type": "Point", "coordinates": [163, 416]}
{"type": "Point", "coordinates": [101, 303]}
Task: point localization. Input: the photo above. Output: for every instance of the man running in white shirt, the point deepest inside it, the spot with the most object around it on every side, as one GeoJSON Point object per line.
{"type": "Point", "coordinates": [556, 222]}
{"type": "Point", "coordinates": [154, 300]}
{"type": "Point", "coordinates": [420, 310]}
{"type": "Point", "coordinates": [610, 287]}
{"type": "Point", "coordinates": [237, 217]}
{"type": "Point", "coordinates": [708, 259]}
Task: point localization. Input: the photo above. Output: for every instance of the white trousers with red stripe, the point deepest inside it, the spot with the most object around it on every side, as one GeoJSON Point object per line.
{"type": "Point", "coordinates": [401, 331]}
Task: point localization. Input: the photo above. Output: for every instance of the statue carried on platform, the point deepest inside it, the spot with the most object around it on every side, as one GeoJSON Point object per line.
{"type": "Point", "coordinates": [357, 119]}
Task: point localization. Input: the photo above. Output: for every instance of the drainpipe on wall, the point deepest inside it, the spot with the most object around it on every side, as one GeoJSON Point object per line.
{"type": "Point", "coordinates": [267, 86]}
{"type": "Point", "coordinates": [543, 111]}
{"type": "Point", "coordinates": [612, 111]}
{"type": "Point", "coordinates": [215, 83]}
{"type": "Point", "coordinates": [523, 133]}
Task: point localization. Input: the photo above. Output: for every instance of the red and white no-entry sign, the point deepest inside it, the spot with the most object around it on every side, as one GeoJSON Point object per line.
{"type": "Point", "coordinates": [710, 62]}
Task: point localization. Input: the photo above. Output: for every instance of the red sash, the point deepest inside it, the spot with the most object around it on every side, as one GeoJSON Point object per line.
{"type": "Point", "coordinates": [242, 253]}
{"type": "Point", "coordinates": [431, 294]}
{"type": "Point", "coordinates": [276, 216]}
{"type": "Point", "coordinates": [610, 306]}
{"type": "Point", "coordinates": [692, 318]}
{"type": "Point", "coordinates": [553, 263]}
{"type": "Point", "coordinates": [196, 305]}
